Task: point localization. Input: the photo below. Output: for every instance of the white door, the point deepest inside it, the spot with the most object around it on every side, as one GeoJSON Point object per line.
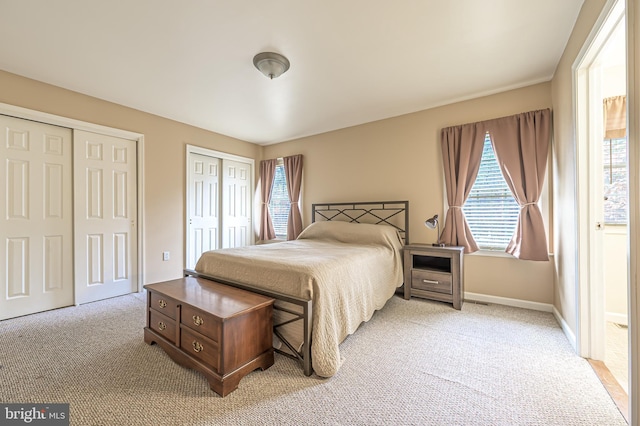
{"type": "Point", "coordinates": [105, 216]}
{"type": "Point", "coordinates": [36, 229]}
{"type": "Point", "coordinates": [236, 204]}
{"type": "Point", "coordinates": [203, 229]}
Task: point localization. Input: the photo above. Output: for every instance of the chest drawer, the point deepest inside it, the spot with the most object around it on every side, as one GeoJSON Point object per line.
{"type": "Point", "coordinates": [201, 347]}
{"type": "Point", "coordinates": [163, 304]}
{"type": "Point", "coordinates": [162, 325]}
{"type": "Point", "coordinates": [201, 322]}
{"type": "Point", "coordinates": [439, 282]}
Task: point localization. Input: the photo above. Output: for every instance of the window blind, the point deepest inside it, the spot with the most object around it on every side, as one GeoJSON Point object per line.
{"type": "Point", "coordinates": [279, 204]}
{"type": "Point", "coordinates": [491, 211]}
{"type": "Point", "coordinates": [615, 180]}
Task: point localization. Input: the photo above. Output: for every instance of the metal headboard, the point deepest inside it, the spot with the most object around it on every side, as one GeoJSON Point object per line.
{"type": "Point", "coordinates": [393, 213]}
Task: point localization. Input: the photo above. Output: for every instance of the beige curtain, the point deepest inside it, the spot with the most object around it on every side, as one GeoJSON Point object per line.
{"type": "Point", "coordinates": [293, 173]}
{"type": "Point", "coordinates": [521, 145]}
{"type": "Point", "coordinates": [461, 155]}
{"type": "Point", "coordinates": [267, 172]}
{"type": "Point", "coordinates": [615, 117]}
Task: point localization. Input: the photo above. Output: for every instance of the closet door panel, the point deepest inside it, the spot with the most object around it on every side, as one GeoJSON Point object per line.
{"type": "Point", "coordinates": [203, 208]}
{"type": "Point", "coordinates": [236, 204]}
{"type": "Point", "coordinates": [105, 216]}
{"type": "Point", "coordinates": [36, 227]}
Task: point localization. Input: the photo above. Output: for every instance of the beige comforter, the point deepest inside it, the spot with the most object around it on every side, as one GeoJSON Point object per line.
{"type": "Point", "coordinates": [348, 270]}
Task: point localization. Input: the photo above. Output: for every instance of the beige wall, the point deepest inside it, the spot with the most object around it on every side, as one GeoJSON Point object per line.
{"type": "Point", "coordinates": [164, 159]}
{"type": "Point", "coordinates": [400, 159]}
{"type": "Point", "coordinates": [564, 167]}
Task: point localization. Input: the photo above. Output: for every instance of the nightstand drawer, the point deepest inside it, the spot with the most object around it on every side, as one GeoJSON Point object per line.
{"type": "Point", "coordinates": [439, 282]}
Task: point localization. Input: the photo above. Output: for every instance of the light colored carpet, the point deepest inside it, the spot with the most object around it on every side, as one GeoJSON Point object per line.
{"type": "Point", "coordinates": [415, 363]}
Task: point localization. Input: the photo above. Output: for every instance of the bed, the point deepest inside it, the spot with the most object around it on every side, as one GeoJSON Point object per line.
{"type": "Point", "coordinates": [340, 270]}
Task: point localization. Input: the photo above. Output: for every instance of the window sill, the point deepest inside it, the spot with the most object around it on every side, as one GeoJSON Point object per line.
{"type": "Point", "coordinates": [497, 253]}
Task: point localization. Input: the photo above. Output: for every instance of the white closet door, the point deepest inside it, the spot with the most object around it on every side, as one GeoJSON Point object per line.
{"type": "Point", "coordinates": [236, 204]}
{"type": "Point", "coordinates": [36, 228]}
{"type": "Point", "coordinates": [203, 208]}
{"type": "Point", "coordinates": [105, 216]}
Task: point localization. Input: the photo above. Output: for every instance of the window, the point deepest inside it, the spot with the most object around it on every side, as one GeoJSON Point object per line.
{"type": "Point", "coordinates": [279, 205]}
{"type": "Point", "coordinates": [491, 211]}
{"type": "Point", "coordinates": [615, 181]}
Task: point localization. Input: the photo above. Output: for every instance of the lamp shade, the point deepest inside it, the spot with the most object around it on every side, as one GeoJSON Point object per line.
{"type": "Point", "coordinates": [271, 64]}
{"type": "Point", "coordinates": [432, 222]}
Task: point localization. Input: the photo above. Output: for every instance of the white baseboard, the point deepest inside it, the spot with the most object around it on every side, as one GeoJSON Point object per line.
{"type": "Point", "coordinates": [616, 318]}
{"type": "Point", "coordinates": [571, 337]}
{"type": "Point", "coordinates": [518, 303]}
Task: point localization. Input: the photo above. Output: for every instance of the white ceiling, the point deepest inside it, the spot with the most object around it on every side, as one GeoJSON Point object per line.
{"type": "Point", "coordinates": [352, 61]}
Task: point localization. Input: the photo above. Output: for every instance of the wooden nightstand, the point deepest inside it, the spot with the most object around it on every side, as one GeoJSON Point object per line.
{"type": "Point", "coordinates": [434, 273]}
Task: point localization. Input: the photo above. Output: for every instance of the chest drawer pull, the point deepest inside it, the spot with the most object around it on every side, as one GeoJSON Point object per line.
{"type": "Point", "coordinates": [162, 303]}
{"type": "Point", "coordinates": [197, 346]}
{"type": "Point", "coordinates": [197, 320]}
{"type": "Point", "coordinates": [430, 282]}
{"type": "Point", "coordinates": [162, 326]}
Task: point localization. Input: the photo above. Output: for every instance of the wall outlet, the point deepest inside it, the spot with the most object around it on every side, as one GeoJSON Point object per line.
{"type": "Point", "coordinates": [165, 255]}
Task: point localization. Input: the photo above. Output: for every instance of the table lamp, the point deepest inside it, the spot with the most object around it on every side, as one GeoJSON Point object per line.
{"type": "Point", "coordinates": [433, 223]}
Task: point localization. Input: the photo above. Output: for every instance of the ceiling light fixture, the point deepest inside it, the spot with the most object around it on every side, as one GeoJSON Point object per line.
{"type": "Point", "coordinates": [273, 65]}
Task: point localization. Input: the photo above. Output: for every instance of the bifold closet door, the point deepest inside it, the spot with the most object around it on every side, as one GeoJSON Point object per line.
{"type": "Point", "coordinates": [105, 207]}
{"type": "Point", "coordinates": [36, 228]}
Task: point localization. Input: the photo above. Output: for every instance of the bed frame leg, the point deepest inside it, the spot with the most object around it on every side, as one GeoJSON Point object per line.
{"type": "Point", "coordinates": [306, 347]}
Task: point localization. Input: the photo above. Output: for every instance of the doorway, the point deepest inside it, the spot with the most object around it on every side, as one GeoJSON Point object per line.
{"type": "Point", "coordinates": [603, 223]}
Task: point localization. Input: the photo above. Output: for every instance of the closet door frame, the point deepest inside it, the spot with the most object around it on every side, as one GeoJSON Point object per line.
{"type": "Point", "coordinates": [46, 118]}
{"type": "Point", "coordinates": [193, 149]}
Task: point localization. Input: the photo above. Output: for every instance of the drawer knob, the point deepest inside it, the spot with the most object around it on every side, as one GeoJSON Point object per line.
{"type": "Point", "coordinates": [197, 320]}
{"type": "Point", "coordinates": [430, 282]}
{"type": "Point", "coordinates": [162, 326]}
{"type": "Point", "coordinates": [197, 346]}
{"type": "Point", "coordinates": [162, 303]}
